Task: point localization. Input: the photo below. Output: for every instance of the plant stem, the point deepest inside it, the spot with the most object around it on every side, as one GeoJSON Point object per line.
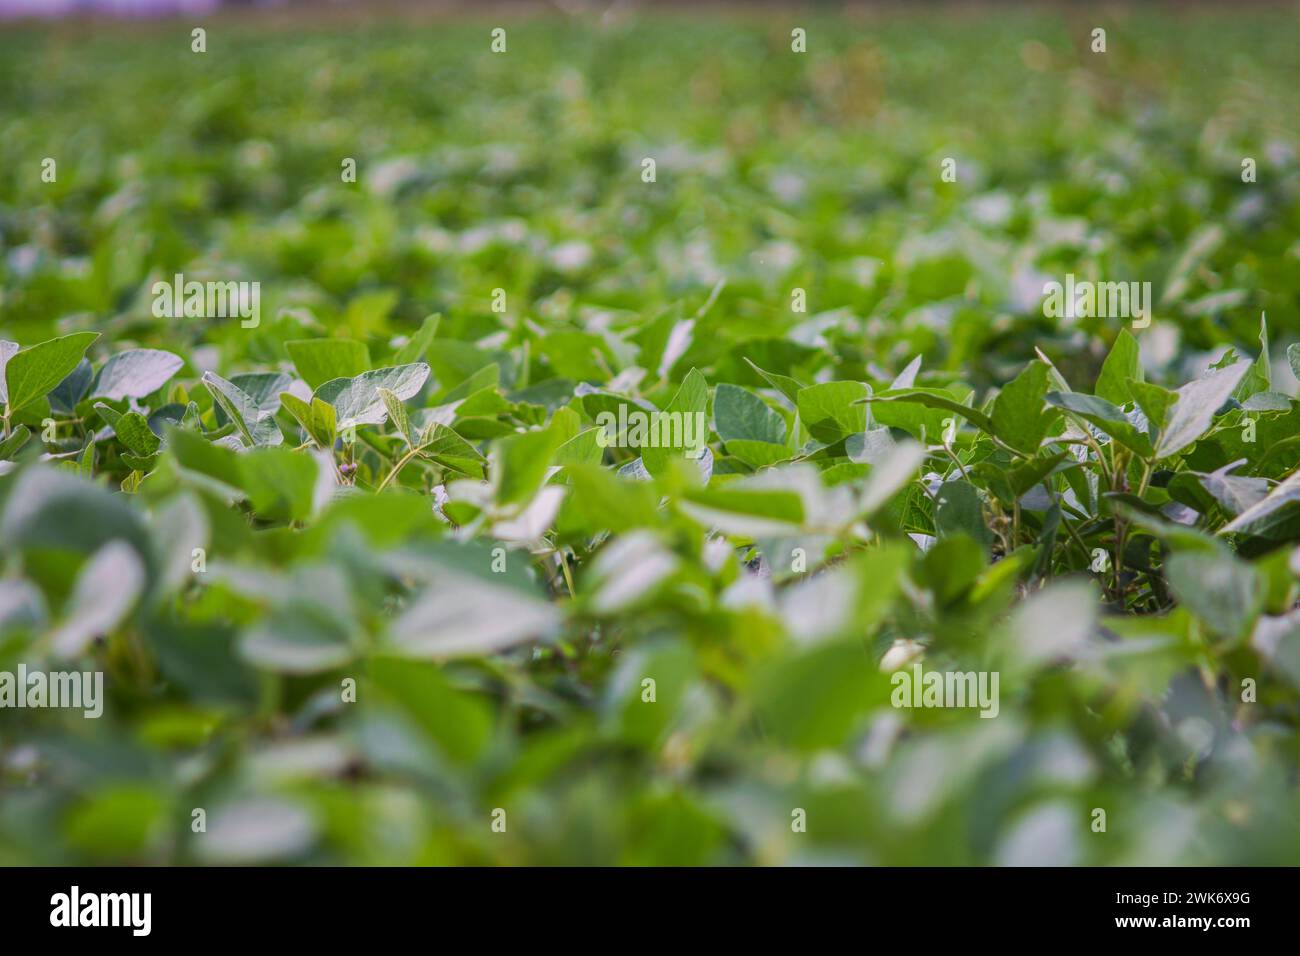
{"type": "Point", "coordinates": [401, 463]}
{"type": "Point", "coordinates": [564, 566]}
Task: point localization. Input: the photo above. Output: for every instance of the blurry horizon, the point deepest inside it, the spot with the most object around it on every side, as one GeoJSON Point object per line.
{"type": "Point", "coordinates": [139, 9]}
{"type": "Point", "coordinates": [119, 8]}
{"type": "Point", "coordinates": [63, 8]}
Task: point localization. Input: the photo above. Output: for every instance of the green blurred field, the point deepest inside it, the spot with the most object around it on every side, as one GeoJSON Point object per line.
{"type": "Point", "coordinates": [231, 159]}
{"type": "Point", "coordinates": [775, 171]}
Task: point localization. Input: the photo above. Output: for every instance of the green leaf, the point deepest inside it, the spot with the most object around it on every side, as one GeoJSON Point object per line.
{"type": "Point", "coordinates": [739, 414]}
{"type": "Point", "coordinates": [300, 410]}
{"type": "Point", "coordinates": [316, 418]}
{"type": "Point", "coordinates": [471, 367]}
{"type": "Point", "coordinates": [830, 410]}
{"type": "Point", "coordinates": [357, 401]}
{"type": "Point", "coordinates": [52, 509]}
{"type": "Point", "coordinates": [760, 454]}
{"type": "Point", "coordinates": [952, 566]}
{"type": "Point", "coordinates": [602, 501]}
{"type": "Point", "coordinates": [1259, 377]}
{"type": "Point", "coordinates": [1111, 420]}
{"type": "Point", "coordinates": [121, 821]}
{"type": "Point", "coordinates": [485, 403]}
{"type": "Point", "coordinates": [13, 444]}
{"type": "Point", "coordinates": [1272, 516]}
{"type": "Point", "coordinates": [745, 512]}
{"type": "Point", "coordinates": [33, 372]}
{"type": "Point", "coordinates": [582, 448]}
{"type": "Point", "coordinates": [280, 482]}
{"type": "Point", "coordinates": [907, 377]}
{"type": "Point", "coordinates": [69, 392]}
{"type": "Point", "coordinates": [923, 423]}
{"type": "Point", "coordinates": [262, 388]}
{"type": "Point", "coordinates": [443, 445]}
{"type": "Point", "coordinates": [196, 454]}
{"type": "Point", "coordinates": [1155, 403]}
{"type": "Point", "coordinates": [1122, 364]}
{"type": "Point", "coordinates": [1196, 406]}
{"type": "Point", "coordinates": [958, 510]}
{"type": "Point", "coordinates": [691, 403]}
{"type": "Point", "coordinates": [1219, 589]}
{"type": "Point", "coordinates": [140, 463]}
{"type": "Point", "coordinates": [835, 674]}
{"type": "Point", "coordinates": [628, 573]}
{"type": "Point", "coordinates": [889, 475]}
{"type": "Point", "coordinates": [470, 612]}
{"type": "Point", "coordinates": [132, 430]}
{"type": "Point", "coordinates": [935, 398]}
{"type": "Point", "coordinates": [179, 526]}
{"type": "Point", "coordinates": [782, 383]}
{"type": "Point", "coordinates": [1019, 417]}
{"type": "Point", "coordinates": [1234, 493]}
{"type": "Point", "coordinates": [1055, 623]}
{"type": "Point", "coordinates": [415, 346]}
{"type": "Point", "coordinates": [581, 356]}
{"type": "Point", "coordinates": [86, 463]}
{"type": "Point", "coordinates": [519, 465]}
{"type": "Point", "coordinates": [135, 373]}
{"type": "Point", "coordinates": [325, 422]}
{"type": "Point", "coordinates": [320, 360]}
{"type": "Point", "coordinates": [397, 415]}
{"type": "Point", "coordinates": [255, 423]}
{"type": "Point", "coordinates": [673, 664]}
{"type": "Point", "coordinates": [457, 721]}
{"type": "Point", "coordinates": [300, 638]}
{"type": "Point", "coordinates": [1009, 484]}
{"type": "Point", "coordinates": [106, 588]}
{"type": "Point", "coordinates": [616, 409]}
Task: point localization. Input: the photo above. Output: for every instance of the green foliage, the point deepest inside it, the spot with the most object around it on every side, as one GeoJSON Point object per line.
{"type": "Point", "coordinates": [33, 373]}
{"type": "Point", "coordinates": [365, 573]}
